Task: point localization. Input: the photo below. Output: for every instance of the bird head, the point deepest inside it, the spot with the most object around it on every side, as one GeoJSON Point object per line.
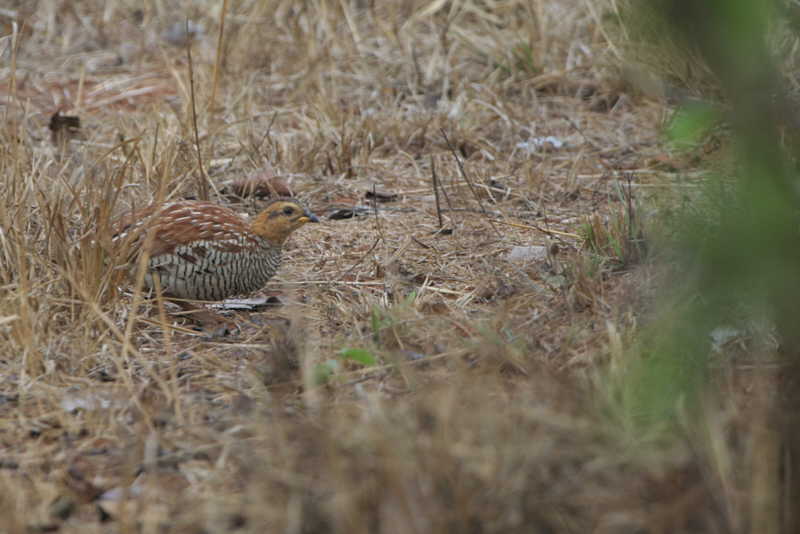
{"type": "Point", "coordinates": [280, 218]}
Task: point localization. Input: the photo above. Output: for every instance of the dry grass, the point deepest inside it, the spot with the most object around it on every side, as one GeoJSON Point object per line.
{"type": "Point", "coordinates": [469, 402]}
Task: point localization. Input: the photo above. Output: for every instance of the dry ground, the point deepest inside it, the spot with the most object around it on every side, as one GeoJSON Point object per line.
{"type": "Point", "coordinates": [418, 375]}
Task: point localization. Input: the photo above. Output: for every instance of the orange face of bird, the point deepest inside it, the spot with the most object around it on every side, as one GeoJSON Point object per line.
{"type": "Point", "coordinates": [280, 218]}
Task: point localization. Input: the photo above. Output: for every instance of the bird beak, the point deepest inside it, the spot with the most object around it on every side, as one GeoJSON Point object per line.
{"type": "Point", "coordinates": [309, 217]}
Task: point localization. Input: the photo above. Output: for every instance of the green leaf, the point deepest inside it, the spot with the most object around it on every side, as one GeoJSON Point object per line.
{"type": "Point", "coordinates": [324, 371]}
{"type": "Point", "coordinates": [690, 124]}
{"type": "Point", "coordinates": [362, 356]}
{"type": "Point", "coordinates": [375, 322]}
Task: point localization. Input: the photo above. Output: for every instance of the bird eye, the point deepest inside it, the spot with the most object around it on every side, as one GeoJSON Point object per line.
{"type": "Point", "coordinates": [288, 210]}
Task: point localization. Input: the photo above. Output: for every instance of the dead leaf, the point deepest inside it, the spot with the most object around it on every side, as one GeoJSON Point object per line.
{"type": "Point", "coordinates": [381, 196]}
{"type": "Point", "coordinates": [260, 185]}
{"type": "Point", "coordinates": [63, 128]}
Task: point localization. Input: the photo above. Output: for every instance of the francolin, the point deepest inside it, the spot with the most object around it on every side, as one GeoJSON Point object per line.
{"type": "Point", "coordinates": [203, 251]}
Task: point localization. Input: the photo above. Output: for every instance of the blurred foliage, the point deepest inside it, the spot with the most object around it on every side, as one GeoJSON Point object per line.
{"type": "Point", "coordinates": [737, 258]}
{"type": "Point", "coordinates": [736, 251]}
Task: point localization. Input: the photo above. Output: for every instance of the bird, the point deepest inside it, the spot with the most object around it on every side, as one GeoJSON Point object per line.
{"type": "Point", "coordinates": [204, 251]}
